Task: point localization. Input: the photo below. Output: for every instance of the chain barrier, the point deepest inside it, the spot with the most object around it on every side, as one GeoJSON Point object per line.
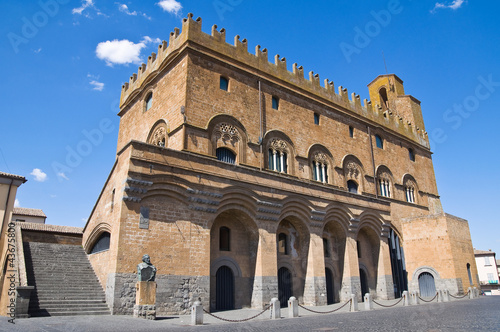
{"type": "Point", "coordinates": [388, 305]}
{"type": "Point", "coordinates": [459, 297]}
{"type": "Point", "coordinates": [428, 300]}
{"type": "Point", "coordinates": [326, 312]}
{"type": "Point", "coordinates": [238, 320]}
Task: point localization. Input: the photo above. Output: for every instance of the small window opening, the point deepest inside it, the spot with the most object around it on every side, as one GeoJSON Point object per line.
{"type": "Point", "coordinates": [316, 118]}
{"type": "Point", "coordinates": [352, 186]}
{"type": "Point", "coordinates": [326, 247]}
{"type": "Point", "coordinates": [411, 154]}
{"type": "Point", "coordinates": [224, 83]}
{"type": "Point", "coordinates": [379, 141]}
{"type": "Point", "coordinates": [275, 102]}
{"type": "Point", "coordinates": [102, 243]}
{"type": "Point", "coordinates": [149, 101]}
{"type": "Point", "coordinates": [351, 131]}
{"type": "Point", "coordinates": [225, 155]}
{"type": "Point", "coordinates": [283, 244]}
{"type": "Point", "coordinates": [224, 239]}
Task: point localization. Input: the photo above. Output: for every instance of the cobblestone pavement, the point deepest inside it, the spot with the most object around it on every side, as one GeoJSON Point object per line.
{"type": "Point", "coordinates": [460, 315]}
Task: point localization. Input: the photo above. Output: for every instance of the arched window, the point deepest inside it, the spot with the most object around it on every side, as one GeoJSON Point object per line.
{"type": "Point", "coordinates": [326, 247]}
{"type": "Point", "coordinates": [283, 244]}
{"type": "Point", "coordinates": [101, 244]}
{"type": "Point", "coordinates": [149, 101]}
{"type": "Point", "coordinates": [383, 99]}
{"type": "Point", "coordinates": [411, 154]}
{"type": "Point", "coordinates": [224, 239]}
{"type": "Point", "coordinates": [320, 168]}
{"type": "Point", "coordinates": [278, 158]}
{"type": "Point", "coordinates": [384, 187]}
{"type": "Point", "coordinates": [225, 155]}
{"type": "Point", "coordinates": [410, 194]}
{"type": "Point", "coordinates": [352, 186]}
{"type": "Point", "coordinates": [379, 142]}
{"type": "Point", "coordinates": [224, 83]}
{"type": "Point", "coordinates": [275, 102]}
{"type": "Point", "coordinates": [158, 135]}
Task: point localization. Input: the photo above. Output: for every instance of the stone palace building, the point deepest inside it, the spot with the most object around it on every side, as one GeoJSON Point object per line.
{"type": "Point", "coordinates": [244, 181]}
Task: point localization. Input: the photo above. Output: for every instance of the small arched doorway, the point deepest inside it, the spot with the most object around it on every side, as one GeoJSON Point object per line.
{"type": "Point", "coordinates": [330, 295]}
{"type": "Point", "coordinates": [364, 284]}
{"type": "Point", "coordinates": [224, 288]}
{"type": "Point", "coordinates": [284, 286]}
{"type": "Point", "coordinates": [426, 285]}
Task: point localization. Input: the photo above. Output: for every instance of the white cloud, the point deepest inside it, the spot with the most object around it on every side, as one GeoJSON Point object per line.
{"type": "Point", "coordinates": [124, 9]}
{"type": "Point", "coordinates": [85, 4]}
{"type": "Point", "coordinates": [62, 175]}
{"type": "Point", "coordinates": [171, 6]}
{"type": "Point", "coordinates": [17, 203]}
{"type": "Point", "coordinates": [454, 5]}
{"type": "Point", "coordinates": [122, 52]}
{"type": "Point", "coordinates": [98, 86]}
{"type": "Point", "coordinates": [38, 50]}
{"type": "Point", "coordinates": [39, 175]}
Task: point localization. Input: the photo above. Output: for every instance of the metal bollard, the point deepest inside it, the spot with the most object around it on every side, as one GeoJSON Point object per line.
{"type": "Point", "coordinates": [293, 307]}
{"type": "Point", "coordinates": [197, 313]}
{"type": "Point", "coordinates": [406, 299]}
{"type": "Point", "coordinates": [368, 302]}
{"type": "Point", "coordinates": [354, 303]}
{"type": "Point", "coordinates": [275, 308]}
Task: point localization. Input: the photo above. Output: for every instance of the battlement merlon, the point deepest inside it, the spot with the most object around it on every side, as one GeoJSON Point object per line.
{"type": "Point", "coordinates": [399, 113]}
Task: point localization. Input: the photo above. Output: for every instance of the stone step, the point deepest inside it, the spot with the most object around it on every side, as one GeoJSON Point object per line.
{"type": "Point", "coordinates": [68, 302]}
{"type": "Point", "coordinates": [44, 313]}
{"type": "Point", "coordinates": [72, 307]}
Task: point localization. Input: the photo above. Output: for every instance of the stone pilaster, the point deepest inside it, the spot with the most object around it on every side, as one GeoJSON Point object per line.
{"type": "Point", "coordinates": [315, 285]}
{"type": "Point", "coordinates": [350, 280]}
{"type": "Point", "coordinates": [265, 286]}
{"type": "Point", "coordinates": [385, 286]}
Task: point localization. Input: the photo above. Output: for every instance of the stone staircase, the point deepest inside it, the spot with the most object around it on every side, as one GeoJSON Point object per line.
{"type": "Point", "coordinates": [65, 283]}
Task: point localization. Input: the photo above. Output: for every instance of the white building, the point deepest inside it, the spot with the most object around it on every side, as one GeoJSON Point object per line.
{"type": "Point", "coordinates": [488, 271]}
{"type": "Point", "coordinates": [20, 214]}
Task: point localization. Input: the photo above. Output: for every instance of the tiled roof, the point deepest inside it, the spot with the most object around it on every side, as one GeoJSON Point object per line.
{"type": "Point", "coordinates": [483, 252]}
{"type": "Point", "coordinates": [31, 226]}
{"type": "Point", "coordinates": [29, 212]}
{"type": "Point", "coordinates": [13, 176]}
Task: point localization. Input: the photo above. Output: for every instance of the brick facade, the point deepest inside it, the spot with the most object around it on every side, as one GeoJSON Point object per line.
{"type": "Point", "coordinates": [168, 194]}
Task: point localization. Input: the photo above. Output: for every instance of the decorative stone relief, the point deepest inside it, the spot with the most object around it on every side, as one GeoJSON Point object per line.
{"type": "Point", "coordinates": [278, 145]}
{"type": "Point", "coordinates": [226, 132]}
{"type": "Point", "coordinates": [352, 170]}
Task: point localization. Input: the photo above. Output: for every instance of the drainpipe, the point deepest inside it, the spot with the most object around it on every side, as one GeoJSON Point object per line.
{"type": "Point", "coordinates": [373, 163]}
{"type": "Point", "coordinates": [261, 125]}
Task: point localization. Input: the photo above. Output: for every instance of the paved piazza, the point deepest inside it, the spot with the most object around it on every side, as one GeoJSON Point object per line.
{"type": "Point", "coordinates": [461, 315]}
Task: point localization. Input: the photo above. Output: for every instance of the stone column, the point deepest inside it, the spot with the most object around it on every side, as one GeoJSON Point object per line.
{"type": "Point", "coordinates": [315, 285]}
{"type": "Point", "coordinates": [351, 283]}
{"type": "Point", "coordinates": [385, 285]}
{"type": "Point", "coordinates": [265, 285]}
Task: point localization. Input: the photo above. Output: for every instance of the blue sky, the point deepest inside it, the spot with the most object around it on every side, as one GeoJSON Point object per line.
{"type": "Point", "coordinates": [64, 63]}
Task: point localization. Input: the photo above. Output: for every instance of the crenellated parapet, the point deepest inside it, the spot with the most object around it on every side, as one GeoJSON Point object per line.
{"type": "Point", "coordinates": [401, 113]}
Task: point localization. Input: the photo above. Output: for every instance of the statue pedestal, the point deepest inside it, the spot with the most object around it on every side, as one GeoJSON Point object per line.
{"type": "Point", "coordinates": [145, 300]}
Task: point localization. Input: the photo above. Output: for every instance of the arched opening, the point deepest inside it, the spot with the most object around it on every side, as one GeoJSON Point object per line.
{"type": "Point", "coordinates": [383, 99]}
{"type": "Point", "coordinates": [352, 186]}
{"type": "Point", "coordinates": [469, 274]}
{"type": "Point", "coordinates": [101, 244]}
{"type": "Point", "coordinates": [284, 286]}
{"type": "Point", "coordinates": [334, 242]}
{"type": "Point", "coordinates": [426, 284]}
{"type": "Point", "coordinates": [398, 266]}
{"type": "Point", "coordinates": [225, 155]}
{"type": "Point", "coordinates": [148, 101]}
{"type": "Point", "coordinates": [224, 288]}
{"type": "Point", "coordinates": [330, 288]}
{"type": "Point", "coordinates": [233, 243]}
{"type": "Point", "coordinates": [297, 238]}
{"type": "Point", "coordinates": [368, 256]}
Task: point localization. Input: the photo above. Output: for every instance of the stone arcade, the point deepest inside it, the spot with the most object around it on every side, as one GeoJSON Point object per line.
{"type": "Point", "coordinates": [245, 181]}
